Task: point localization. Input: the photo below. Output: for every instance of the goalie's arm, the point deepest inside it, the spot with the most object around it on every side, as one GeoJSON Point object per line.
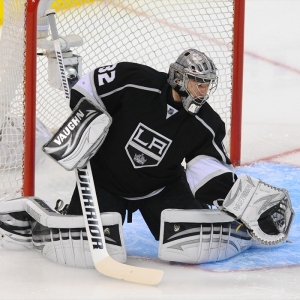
{"type": "Point", "coordinates": [84, 89]}
{"type": "Point", "coordinates": [209, 179]}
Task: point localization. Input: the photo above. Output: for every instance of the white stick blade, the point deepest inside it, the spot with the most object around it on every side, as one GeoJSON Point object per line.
{"type": "Point", "coordinates": [112, 268]}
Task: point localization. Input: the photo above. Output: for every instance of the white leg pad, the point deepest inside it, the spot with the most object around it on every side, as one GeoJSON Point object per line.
{"type": "Point", "coordinates": [29, 222]}
{"type": "Point", "coordinates": [199, 236]}
{"type": "Point", "coordinates": [70, 246]}
{"type": "Point", "coordinates": [15, 231]}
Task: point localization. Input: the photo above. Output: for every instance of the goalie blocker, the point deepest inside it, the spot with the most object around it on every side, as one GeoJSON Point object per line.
{"type": "Point", "coordinates": [80, 137]}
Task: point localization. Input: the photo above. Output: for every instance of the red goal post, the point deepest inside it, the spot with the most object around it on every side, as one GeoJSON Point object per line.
{"type": "Point", "coordinates": [150, 32]}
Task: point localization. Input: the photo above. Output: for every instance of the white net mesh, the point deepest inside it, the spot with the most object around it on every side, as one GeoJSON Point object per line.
{"type": "Point", "coordinates": [150, 32]}
{"type": "Point", "coordinates": [11, 97]}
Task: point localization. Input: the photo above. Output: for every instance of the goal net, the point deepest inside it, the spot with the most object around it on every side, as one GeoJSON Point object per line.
{"type": "Point", "coordinates": [150, 32]}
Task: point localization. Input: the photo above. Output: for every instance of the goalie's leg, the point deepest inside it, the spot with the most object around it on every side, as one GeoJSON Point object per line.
{"type": "Point", "coordinates": [199, 236]}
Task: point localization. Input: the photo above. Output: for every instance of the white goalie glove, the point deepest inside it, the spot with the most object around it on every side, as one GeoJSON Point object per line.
{"type": "Point", "coordinates": [265, 210]}
{"type": "Point", "coordinates": [80, 137]}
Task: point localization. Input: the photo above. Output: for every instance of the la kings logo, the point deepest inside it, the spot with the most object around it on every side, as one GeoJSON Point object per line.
{"type": "Point", "coordinates": [146, 147]}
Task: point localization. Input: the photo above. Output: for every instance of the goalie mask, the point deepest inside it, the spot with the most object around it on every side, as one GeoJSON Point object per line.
{"type": "Point", "coordinates": [193, 76]}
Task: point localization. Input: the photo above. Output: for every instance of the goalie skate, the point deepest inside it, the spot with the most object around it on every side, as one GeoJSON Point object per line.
{"type": "Point", "coordinates": [250, 200]}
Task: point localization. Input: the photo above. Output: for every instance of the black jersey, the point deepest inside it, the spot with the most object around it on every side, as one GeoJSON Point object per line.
{"type": "Point", "coordinates": [150, 134]}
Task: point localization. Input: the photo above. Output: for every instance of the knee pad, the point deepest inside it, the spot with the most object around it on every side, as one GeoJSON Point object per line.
{"type": "Point", "coordinates": [199, 236]}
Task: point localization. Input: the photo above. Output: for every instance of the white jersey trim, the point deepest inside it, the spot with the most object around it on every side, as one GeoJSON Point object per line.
{"type": "Point", "coordinates": [202, 169]}
{"type": "Point", "coordinates": [86, 88]}
{"type": "Point", "coordinates": [98, 98]}
{"type": "Point", "coordinates": [213, 139]}
{"type": "Point", "coordinates": [146, 196]}
{"type": "Point", "coordinates": [131, 85]}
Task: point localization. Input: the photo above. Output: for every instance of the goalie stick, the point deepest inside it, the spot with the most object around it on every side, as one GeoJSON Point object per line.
{"type": "Point", "coordinates": [88, 198]}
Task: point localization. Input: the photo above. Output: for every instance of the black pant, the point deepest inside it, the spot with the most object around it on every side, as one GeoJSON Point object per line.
{"type": "Point", "coordinates": [176, 195]}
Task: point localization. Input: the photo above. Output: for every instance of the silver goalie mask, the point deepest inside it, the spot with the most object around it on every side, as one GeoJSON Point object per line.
{"type": "Point", "coordinates": [193, 65]}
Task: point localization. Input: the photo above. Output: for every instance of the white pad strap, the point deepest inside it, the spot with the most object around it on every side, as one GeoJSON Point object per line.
{"type": "Point", "coordinates": [199, 236]}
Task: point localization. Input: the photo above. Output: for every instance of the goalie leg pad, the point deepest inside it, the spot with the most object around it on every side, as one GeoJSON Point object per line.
{"type": "Point", "coordinates": [63, 246]}
{"type": "Point", "coordinates": [29, 222]}
{"type": "Point", "coordinates": [69, 246]}
{"type": "Point", "coordinates": [80, 137]}
{"type": "Point", "coordinates": [15, 231]}
{"type": "Point", "coordinates": [200, 236]}
{"type": "Point", "coordinates": [265, 210]}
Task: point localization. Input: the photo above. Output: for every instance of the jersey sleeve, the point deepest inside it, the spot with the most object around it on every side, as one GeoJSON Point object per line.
{"type": "Point", "coordinates": [211, 132]}
{"type": "Point", "coordinates": [209, 171]}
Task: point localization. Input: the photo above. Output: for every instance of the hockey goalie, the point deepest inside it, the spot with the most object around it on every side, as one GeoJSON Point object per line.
{"type": "Point", "coordinates": [252, 213]}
